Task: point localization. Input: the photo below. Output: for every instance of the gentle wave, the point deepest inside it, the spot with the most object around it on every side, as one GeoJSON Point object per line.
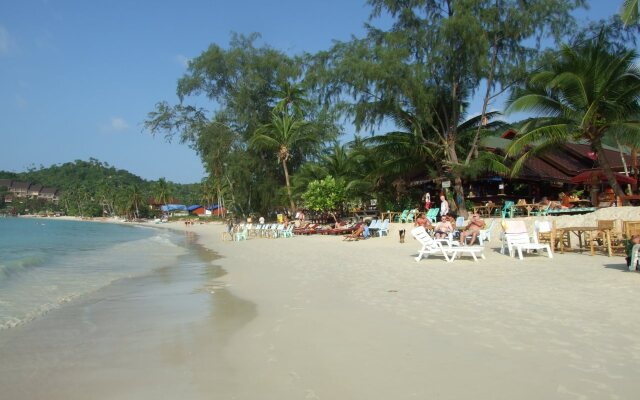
{"type": "Point", "coordinates": [14, 267]}
{"type": "Point", "coordinates": [61, 280]}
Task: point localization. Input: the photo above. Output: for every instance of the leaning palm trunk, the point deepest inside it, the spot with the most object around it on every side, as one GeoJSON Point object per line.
{"type": "Point", "coordinates": [606, 168]}
{"type": "Point", "coordinates": [286, 178]}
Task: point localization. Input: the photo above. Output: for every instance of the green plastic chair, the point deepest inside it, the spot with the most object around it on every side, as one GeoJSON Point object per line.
{"type": "Point", "coordinates": [508, 209]}
{"type": "Point", "coordinates": [411, 216]}
{"type": "Point", "coordinates": [432, 215]}
{"type": "Point", "coordinates": [403, 217]}
{"type": "Point", "coordinates": [242, 235]}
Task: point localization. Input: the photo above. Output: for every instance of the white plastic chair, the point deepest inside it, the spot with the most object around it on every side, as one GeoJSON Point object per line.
{"type": "Point", "coordinates": [384, 228]}
{"type": "Point", "coordinates": [429, 245]}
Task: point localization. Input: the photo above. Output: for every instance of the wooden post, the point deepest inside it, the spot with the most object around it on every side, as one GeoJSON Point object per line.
{"type": "Point", "coordinates": [553, 236]}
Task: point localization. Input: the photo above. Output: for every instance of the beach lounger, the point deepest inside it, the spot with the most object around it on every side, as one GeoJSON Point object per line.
{"type": "Point", "coordinates": [485, 234]}
{"type": "Point", "coordinates": [443, 246]}
{"type": "Point", "coordinates": [429, 245]}
{"type": "Point", "coordinates": [517, 238]}
{"type": "Point", "coordinates": [384, 228]}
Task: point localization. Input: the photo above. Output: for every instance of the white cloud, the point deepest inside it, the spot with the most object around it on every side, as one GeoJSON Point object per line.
{"type": "Point", "coordinates": [183, 60]}
{"type": "Point", "coordinates": [115, 125]}
{"type": "Point", "coordinates": [118, 124]}
{"type": "Point", "coordinates": [5, 40]}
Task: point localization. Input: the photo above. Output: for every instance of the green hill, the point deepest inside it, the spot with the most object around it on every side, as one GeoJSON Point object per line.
{"type": "Point", "coordinates": [92, 187]}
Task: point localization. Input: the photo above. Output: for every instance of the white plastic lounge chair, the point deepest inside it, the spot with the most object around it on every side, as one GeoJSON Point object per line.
{"type": "Point", "coordinates": [443, 246]}
{"type": "Point", "coordinates": [287, 232]}
{"type": "Point", "coordinates": [429, 246]}
{"type": "Point", "coordinates": [375, 225]}
{"type": "Point", "coordinates": [384, 228]}
{"type": "Point", "coordinates": [522, 241]}
{"type": "Point", "coordinates": [511, 227]}
{"type": "Point", "coordinates": [485, 234]}
{"type": "Point", "coordinates": [517, 238]}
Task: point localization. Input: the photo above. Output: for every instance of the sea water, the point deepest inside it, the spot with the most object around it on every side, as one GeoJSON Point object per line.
{"type": "Point", "coordinates": [46, 263]}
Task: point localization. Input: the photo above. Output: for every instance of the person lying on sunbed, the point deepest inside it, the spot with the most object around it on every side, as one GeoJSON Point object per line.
{"type": "Point", "coordinates": [473, 228]}
{"type": "Point", "coordinates": [362, 232]}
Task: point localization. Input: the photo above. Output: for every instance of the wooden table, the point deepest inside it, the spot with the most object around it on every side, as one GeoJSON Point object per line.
{"type": "Point", "coordinates": [390, 215]}
{"type": "Point", "coordinates": [527, 207]}
{"type": "Point", "coordinates": [579, 231]}
{"type": "Point", "coordinates": [484, 211]}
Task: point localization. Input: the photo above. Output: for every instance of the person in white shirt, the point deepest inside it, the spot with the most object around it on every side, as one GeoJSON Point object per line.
{"type": "Point", "coordinates": [261, 220]}
{"type": "Point", "coordinates": [444, 205]}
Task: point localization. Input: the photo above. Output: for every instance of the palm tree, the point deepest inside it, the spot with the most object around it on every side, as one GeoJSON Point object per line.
{"type": "Point", "coordinates": [162, 192]}
{"type": "Point", "coordinates": [342, 162]}
{"type": "Point", "coordinates": [587, 94]}
{"type": "Point", "coordinates": [284, 135]}
{"type": "Point", "coordinates": [629, 12]}
{"type": "Point", "coordinates": [135, 199]}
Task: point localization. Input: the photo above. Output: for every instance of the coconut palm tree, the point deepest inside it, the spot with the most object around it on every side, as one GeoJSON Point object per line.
{"type": "Point", "coordinates": [588, 93]}
{"type": "Point", "coordinates": [284, 135]}
{"type": "Point", "coordinates": [162, 192]}
{"type": "Point", "coordinates": [135, 199]}
{"type": "Point", "coordinates": [629, 12]}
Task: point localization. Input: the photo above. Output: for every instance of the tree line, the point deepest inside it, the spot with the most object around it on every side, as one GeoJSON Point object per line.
{"type": "Point", "coordinates": [275, 122]}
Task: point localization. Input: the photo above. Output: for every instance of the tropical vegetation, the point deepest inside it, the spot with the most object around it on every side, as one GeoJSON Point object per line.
{"type": "Point", "coordinates": [422, 92]}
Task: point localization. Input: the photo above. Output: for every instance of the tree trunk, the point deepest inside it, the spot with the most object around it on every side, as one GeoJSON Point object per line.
{"type": "Point", "coordinates": [286, 178]}
{"type": "Point", "coordinates": [606, 168]}
{"type": "Point", "coordinates": [473, 151]}
{"type": "Point", "coordinates": [458, 189]}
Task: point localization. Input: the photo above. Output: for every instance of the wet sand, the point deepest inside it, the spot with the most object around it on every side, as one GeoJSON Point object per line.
{"type": "Point", "coordinates": [155, 336]}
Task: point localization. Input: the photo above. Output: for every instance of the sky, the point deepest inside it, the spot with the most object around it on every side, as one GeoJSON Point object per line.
{"type": "Point", "coordinates": [78, 77]}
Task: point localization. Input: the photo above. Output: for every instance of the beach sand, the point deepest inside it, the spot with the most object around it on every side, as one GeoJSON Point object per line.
{"type": "Point", "coordinates": [319, 318]}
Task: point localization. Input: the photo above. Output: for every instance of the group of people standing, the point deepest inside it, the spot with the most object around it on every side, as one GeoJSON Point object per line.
{"type": "Point", "coordinates": [444, 204]}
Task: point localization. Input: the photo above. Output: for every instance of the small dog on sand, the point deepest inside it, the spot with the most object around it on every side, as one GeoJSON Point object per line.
{"type": "Point", "coordinates": [402, 232]}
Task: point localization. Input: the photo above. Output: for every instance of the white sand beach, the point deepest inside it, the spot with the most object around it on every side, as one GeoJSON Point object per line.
{"type": "Point", "coordinates": [318, 318]}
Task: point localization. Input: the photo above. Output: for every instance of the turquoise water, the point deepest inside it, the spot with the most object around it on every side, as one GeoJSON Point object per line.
{"type": "Point", "coordinates": [45, 263]}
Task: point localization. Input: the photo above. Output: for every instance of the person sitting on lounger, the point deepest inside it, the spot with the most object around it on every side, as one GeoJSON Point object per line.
{"type": "Point", "coordinates": [423, 221]}
{"type": "Point", "coordinates": [443, 228]}
{"type": "Point", "coordinates": [473, 228]}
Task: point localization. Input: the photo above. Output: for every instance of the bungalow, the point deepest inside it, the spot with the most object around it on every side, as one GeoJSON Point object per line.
{"type": "Point", "coordinates": [217, 210]}
{"type": "Point", "coordinates": [174, 209]}
{"type": "Point", "coordinates": [20, 189]}
{"type": "Point", "coordinates": [196, 209]}
{"type": "Point", "coordinates": [34, 190]}
{"type": "Point", "coordinates": [49, 194]}
{"type": "Point", "coordinates": [5, 183]}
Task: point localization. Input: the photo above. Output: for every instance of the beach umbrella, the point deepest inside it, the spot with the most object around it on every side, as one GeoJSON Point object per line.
{"type": "Point", "coordinates": [598, 175]}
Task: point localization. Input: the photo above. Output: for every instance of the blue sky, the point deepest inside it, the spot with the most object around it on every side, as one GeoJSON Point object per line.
{"type": "Point", "coordinates": [79, 77]}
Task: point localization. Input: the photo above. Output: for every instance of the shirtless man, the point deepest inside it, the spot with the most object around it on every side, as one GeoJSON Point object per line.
{"type": "Point", "coordinates": [473, 228]}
